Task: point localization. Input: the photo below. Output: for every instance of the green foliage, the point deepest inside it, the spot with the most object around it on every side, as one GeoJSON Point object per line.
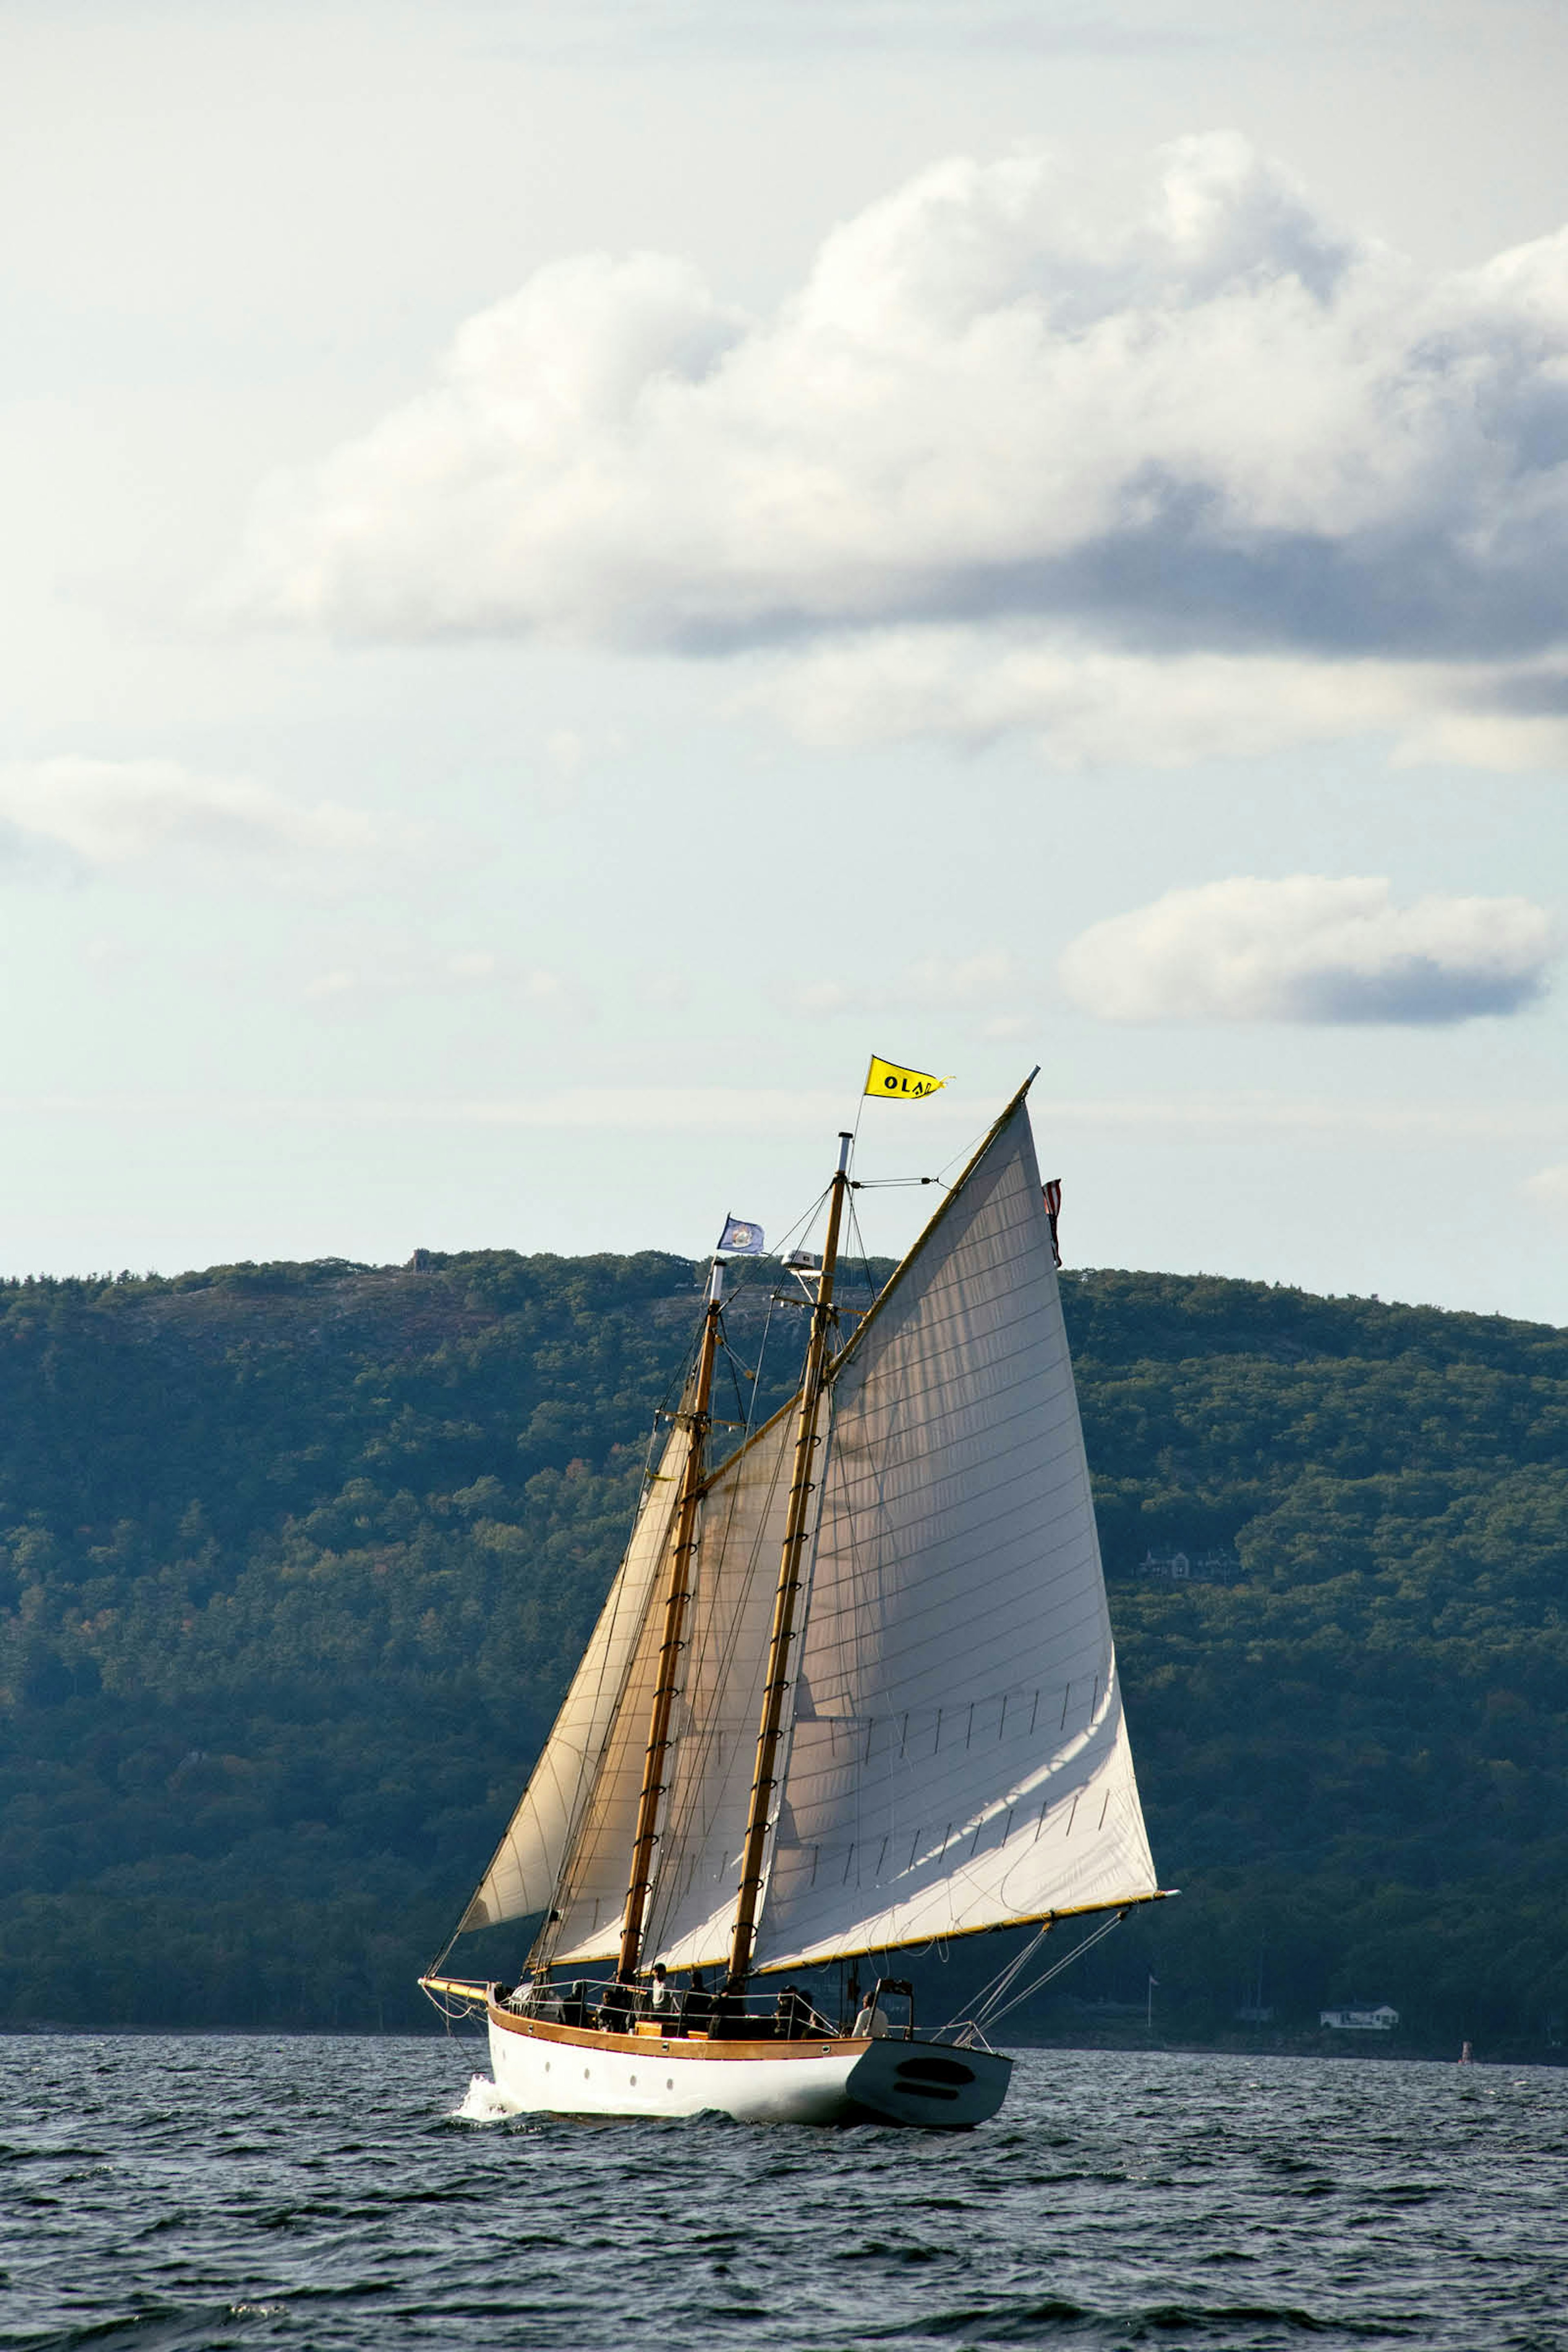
{"type": "Point", "coordinates": [295, 1561]}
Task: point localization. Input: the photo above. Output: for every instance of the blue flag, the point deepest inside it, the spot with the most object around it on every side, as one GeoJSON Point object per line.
{"type": "Point", "coordinates": [741, 1239]}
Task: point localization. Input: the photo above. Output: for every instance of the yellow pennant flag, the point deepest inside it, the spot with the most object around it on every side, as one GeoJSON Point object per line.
{"type": "Point", "coordinates": [892, 1082]}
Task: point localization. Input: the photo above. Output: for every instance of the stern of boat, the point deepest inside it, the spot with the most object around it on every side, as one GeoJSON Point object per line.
{"type": "Point", "coordinates": [936, 2087]}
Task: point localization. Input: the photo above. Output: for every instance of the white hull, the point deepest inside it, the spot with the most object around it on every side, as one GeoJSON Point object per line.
{"type": "Point", "coordinates": [543, 2068]}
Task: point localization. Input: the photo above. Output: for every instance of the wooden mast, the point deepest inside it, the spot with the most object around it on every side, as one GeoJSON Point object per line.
{"type": "Point", "coordinates": [782, 1634]}
{"type": "Point", "coordinates": [677, 1594]}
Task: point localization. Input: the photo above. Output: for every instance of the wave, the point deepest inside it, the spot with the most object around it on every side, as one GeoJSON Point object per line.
{"type": "Point", "coordinates": [482, 2103]}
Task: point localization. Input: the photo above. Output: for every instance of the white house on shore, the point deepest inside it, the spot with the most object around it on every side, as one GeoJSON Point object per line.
{"type": "Point", "coordinates": [1361, 2017]}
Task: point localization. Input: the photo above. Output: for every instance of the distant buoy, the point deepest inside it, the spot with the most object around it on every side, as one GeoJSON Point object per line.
{"type": "Point", "coordinates": [1464, 2057]}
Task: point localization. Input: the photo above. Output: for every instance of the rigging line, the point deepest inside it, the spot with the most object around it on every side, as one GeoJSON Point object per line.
{"type": "Point", "coordinates": [965, 1152]}
{"type": "Point", "coordinates": [1078, 1949]}
{"type": "Point", "coordinates": [743, 1408]}
{"type": "Point", "coordinates": [865, 1258]}
{"type": "Point", "coordinates": [855, 1255]}
{"type": "Point", "coordinates": [893, 1183]}
{"type": "Point", "coordinates": [675, 1386]}
{"type": "Point", "coordinates": [1040, 1982]}
{"type": "Point", "coordinates": [749, 1270]}
{"type": "Point", "coordinates": [761, 1359]}
{"type": "Point", "coordinates": [1008, 1972]}
{"type": "Point", "coordinates": [986, 2006]}
{"type": "Point", "coordinates": [457, 2014]}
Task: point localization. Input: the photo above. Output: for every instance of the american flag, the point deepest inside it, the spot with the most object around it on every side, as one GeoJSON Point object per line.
{"type": "Point", "coordinates": [1052, 1195]}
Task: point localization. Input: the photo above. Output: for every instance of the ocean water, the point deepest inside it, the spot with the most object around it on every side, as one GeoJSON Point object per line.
{"type": "Point", "coordinates": [172, 2195]}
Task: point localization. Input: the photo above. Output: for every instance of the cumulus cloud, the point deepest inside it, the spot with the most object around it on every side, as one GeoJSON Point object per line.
{"type": "Point", "coordinates": [1311, 948]}
{"type": "Point", "coordinates": [108, 812]}
{"type": "Point", "coordinates": [1221, 452]}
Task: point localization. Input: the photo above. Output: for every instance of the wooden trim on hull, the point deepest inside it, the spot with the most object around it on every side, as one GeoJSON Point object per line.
{"type": "Point", "coordinates": [677, 2045]}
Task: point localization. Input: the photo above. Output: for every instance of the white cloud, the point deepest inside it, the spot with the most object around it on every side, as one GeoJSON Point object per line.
{"type": "Point", "coordinates": [1087, 706]}
{"type": "Point", "coordinates": [369, 975]}
{"type": "Point", "coordinates": [1204, 1122]}
{"type": "Point", "coordinates": [1310, 949]}
{"type": "Point", "coordinates": [109, 812]}
{"type": "Point", "coordinates": [1548, 1190]}
{"type": "Point", "coordinates": [1217, 476]}
{"type": "Point", "coordinates": [986, 984]}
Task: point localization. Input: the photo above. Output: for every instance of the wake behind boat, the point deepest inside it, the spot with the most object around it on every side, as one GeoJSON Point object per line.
{"type": "Point", "coordinates": [852, 1691]}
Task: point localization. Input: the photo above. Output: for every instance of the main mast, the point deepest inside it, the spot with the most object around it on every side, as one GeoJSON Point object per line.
{"type": "Point", "coordinates": [796, 1526]}
{"type": "Point", "coordinates": [677, 1592]}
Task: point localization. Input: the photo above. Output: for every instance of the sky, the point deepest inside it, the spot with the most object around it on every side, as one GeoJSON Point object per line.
{"type": "Point", "coordinates": [570, 573]}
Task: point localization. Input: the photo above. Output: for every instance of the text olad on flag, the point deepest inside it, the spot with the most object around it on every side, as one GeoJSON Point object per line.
{"type": "Point", "coordinates": [891, 1082]}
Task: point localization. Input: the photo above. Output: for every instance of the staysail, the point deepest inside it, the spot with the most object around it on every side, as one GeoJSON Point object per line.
{"type": "Point", "coordinates": [578, 1810]}
{"type": "Point", "coordinates": [957, 1757]}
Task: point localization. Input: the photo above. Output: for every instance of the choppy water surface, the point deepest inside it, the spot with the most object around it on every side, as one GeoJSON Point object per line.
{"type": "Point", "coordinates": [171, 2195]}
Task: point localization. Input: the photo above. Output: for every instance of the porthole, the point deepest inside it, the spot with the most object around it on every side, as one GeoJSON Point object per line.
{"type": "Point", "coordinates": [634, 2082]}
{"type": "Point", "coordinates": [585, 2073]}
{"type": "Point", "coordinates": [670, 2082]}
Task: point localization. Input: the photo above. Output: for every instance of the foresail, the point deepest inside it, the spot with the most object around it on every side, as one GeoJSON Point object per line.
{"type": "Point", "coordinates": [741, 1535]}
{"type": "Point", "coordinates": [958, 1758]}
{"type": "Point", "coordinates": [582, 1793]}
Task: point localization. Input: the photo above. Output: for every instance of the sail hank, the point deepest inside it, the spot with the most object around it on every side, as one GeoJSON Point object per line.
{"type": "Point", "coordinates": [957, 1757]}
{"type": "Point", "coordinates": [589, 1773]}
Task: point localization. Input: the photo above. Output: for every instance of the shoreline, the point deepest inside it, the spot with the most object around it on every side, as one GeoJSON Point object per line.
{"type": "Point", "coordinates": [1549, 2059]}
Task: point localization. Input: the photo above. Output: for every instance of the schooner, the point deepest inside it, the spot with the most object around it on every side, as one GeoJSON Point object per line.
{"type": "Point", "coordinates": [853, 1690]}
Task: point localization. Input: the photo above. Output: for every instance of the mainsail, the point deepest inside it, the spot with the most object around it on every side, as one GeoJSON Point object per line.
{"type": "Point", "coordinates": [958, 1758]}
{"type": "Point", "coordinates": [568, 1840]}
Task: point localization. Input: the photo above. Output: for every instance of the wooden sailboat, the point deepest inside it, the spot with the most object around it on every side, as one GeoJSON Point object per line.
{"type": "Point", "coordinates": [852, 1691]}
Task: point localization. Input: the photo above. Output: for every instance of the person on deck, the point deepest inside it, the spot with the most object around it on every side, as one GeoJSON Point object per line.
{"type": "Point", "coordinates": [873, 2020]}
{"type": "Point", "coordinates": [697, 2010]}
{"type": "Point", "coordinates": [791, 2014]}
{"type": "Point", "coordinates": [661, 2000]}
{"type": "Point", "coordinates": [615, 2009]}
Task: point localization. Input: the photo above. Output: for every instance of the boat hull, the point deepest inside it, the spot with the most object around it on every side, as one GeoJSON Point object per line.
{"type": "Point", "coordinates": [541, 2067]}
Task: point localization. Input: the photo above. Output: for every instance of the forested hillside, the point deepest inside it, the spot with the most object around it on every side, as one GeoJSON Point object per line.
{"type": "Point", "coordinates": [295, 1560]}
